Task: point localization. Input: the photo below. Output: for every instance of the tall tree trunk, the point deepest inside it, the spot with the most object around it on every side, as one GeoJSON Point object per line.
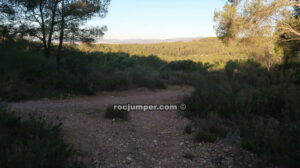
{"type": "Point", "coordinates": [43, 30]}
{"type": "Point", "coordinates": [61, 37]}
{"type": "Point", "coordinates": [54, 9]}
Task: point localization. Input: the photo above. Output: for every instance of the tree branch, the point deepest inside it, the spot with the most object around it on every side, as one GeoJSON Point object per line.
{"type": "Point", "coordinates": [289, 28]}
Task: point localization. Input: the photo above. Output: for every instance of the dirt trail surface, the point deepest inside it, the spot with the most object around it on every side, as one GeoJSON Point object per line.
{"type": "Point", "coordinates": [149, 140]}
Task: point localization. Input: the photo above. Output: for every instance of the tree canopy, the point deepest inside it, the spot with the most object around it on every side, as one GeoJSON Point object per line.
{"type": "Point", "coordinates": [258, 25]}
{"type": "Point", "coordinates": [48, 20]}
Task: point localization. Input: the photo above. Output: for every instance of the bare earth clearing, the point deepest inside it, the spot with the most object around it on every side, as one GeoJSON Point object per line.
{"type": "Point", "coordinates": [149, 139]}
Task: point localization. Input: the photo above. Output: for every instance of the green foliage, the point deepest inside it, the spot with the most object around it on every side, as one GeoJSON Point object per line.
{"type": "Point", "coordinates": [205, 136]}
{"type": "Point", "coordinates": [112, 113]}
{"type": "Point", "coordinates": [187, 66]}
{"type": "Point", "coordinates": [188, 129]}
{"type": "Point", "coordinates": [279, 139]}
{"type": "Point", "coordinates": [209, 129]}
{"type": "Point", "coordinates": [151, 80]}
{"type": "Point", "coordinates": [203, 50]}
{"type": "Point", "coordinates": [22, 67]}
{"type": "Point", "coordinates": [256, 101]}
{"type": "Point", "coordinates": [296, 76]}
{"type": "Point", "coordinates": [251, 25]}
{"type": "Point", "coordinates": [26, 74]}
{"type": "Point", "coordinates": [46, 20]}
{"type": "Point", "coordinates": [227, 26]}
{"type": "Point", "coordinates": [180, 77]}
{"type": "Point", "coordinates": [32, 143]}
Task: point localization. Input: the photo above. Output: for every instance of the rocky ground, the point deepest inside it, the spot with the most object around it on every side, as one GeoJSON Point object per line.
{"type": "Point", "coordinates": [150, 139]}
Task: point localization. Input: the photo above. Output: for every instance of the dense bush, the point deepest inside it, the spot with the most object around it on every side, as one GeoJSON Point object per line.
{"type": "Point", "coordinates": [23, 71]}
{"type": "Point", "coordinates": [200, 50]}
{"type": "Point", "coordinates": [26, 74]}
{"type": "Point", "coordinates": [187, 66]}
{"type": "Point", "coordinates": [184, 72]}
{"type": "Point", "coordinates": [116, 114]}
{"type": "Point", "coordinates": [33, 143]}
{"type": "Point", "coordinates": [248, 97]}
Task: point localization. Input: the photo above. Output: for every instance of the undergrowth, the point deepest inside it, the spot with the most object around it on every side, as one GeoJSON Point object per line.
{"type": "Point", "coordinates": [33, 143]}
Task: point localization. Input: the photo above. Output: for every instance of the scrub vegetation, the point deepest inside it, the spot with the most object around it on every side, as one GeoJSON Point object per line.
{"type": "Point", "coordinates": [246, 80]}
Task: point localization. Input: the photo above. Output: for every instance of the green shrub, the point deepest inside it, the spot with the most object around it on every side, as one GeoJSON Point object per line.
{"type": "Point", "coordinates": [187, 66]}
{"type": "Point", "coordinates": [112, 113]}
{"type": "Point", "coordinates": [188, 129]}
{"type": "Point", "coordinates": [33, 143]}
{"type": "Point", "coordinates": [209, 129]}
{"type": "Point", "coordinates": [205, 136]}
{"type": "Point", "coordinates": [266, 112]}
{"type": "Point", "coordinates": [26, 74]}
{"type": "Point", "coordinates": [181, 78]}
{"type": "Point", "coordinates": [146, 77]}
{"type": "Point", "coordinates": [151, 61]}
{"type": "Point", "coordinates": [275, 141]}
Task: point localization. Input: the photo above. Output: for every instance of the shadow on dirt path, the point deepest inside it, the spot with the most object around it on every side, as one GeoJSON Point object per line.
{"type": "Point", "coordinates": [149, 139]}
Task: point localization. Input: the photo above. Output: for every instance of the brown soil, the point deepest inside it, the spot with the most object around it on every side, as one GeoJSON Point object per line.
{"type": "Point", "coordinates": [149, 140]}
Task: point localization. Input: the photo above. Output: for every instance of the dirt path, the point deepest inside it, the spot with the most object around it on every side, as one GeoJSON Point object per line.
{"type": "Point", "coordinates": [149, 139]}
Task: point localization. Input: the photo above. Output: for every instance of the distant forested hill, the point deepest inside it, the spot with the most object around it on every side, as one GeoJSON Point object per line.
{"type": "Point", "coordinates": [204, 50]}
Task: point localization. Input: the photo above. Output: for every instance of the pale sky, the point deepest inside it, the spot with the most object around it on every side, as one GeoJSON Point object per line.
{"type": "Point", "coordinates": [162, 19]}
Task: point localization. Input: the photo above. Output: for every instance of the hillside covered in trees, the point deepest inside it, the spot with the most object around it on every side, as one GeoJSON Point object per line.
{"type": "Point", "coordinates": [245, 86]}
{"type": "Point", "coordinates": [210, 50]}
